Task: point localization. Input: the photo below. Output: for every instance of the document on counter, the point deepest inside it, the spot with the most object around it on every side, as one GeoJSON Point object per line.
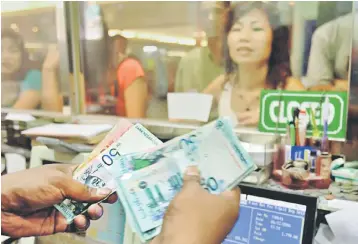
{"type": "Point", "coordinates": [189, 106]}
{"type": "Point", "coordinates": [324, 235]}
{"type": "Point", "coordinates": [20, 117]}
{"type": "Point", "coordinates": [15, 162]}
{"type": "Point", "coordinates": [344, 226]}
{"type": "Point", "coordinates": [4, 238]}
{"type": "Point", "coordinates": [68, 130]}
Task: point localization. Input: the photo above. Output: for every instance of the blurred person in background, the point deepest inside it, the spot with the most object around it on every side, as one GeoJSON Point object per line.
{"type": "Point", "coordinates": [23, 85]}
{"type": "Point", "coordinates": [115, 82]}
{"type": "Point", "coordinates": [256, 57]}
{"type": "Point", "coordinates": [328, 63]}
{"type": "Point", "coordinates": [202, 65]}
{"type": "Point", "coordinates": [130, 88]}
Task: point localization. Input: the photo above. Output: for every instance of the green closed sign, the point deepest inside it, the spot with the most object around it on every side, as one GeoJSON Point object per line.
{"type": "Point", "coordinates": [276, 110]}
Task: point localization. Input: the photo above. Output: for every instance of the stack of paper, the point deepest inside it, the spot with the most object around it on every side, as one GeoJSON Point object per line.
{"type": "Point", "coordinates": [76, 133]}
{"type": "Point", "coordinates": [147, 174]}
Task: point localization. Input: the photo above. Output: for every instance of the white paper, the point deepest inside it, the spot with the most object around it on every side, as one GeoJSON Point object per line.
{"type": "Point", "coordinates": [19, 117]}
{"type": "Point", "coordinates": [324, 235]}
{"type": "Point", "coordinates": [68, 130]}
{"type": "Point", "coordinates": [342, 204]}
{"type": "Point", "coordinates": [189, 106]}
{"type": "Point", "coordinates": [15, 162]}
{"type": "Point", "coordinates": [344, 225]}
{"type": "Point", "coordinates": [4, 238]}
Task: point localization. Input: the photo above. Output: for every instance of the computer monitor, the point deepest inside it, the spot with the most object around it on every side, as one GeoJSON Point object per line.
{"type": "Point", "coordinates": [273, 217]}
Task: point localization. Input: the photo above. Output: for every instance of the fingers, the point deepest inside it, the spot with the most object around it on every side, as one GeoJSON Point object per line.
{"type": "Point", "coordinates": [81, 223]}
{"type": "Point", "coordinates": [191, 175]}
{"type": "Point", "coordinates": [244, 115]}
{"type": "Point", "coordinates": [112, 198]}
{"type": "Point", "coordinates": [250, 121]}
{"type": "Point", "coordinates": [248, 117]}
{"type": "Point", "coordinates": [95, 211]}
{"type": "Point", "coordinates": [68, 169]}
{"type": "Point", "coordinates": [77, 191]}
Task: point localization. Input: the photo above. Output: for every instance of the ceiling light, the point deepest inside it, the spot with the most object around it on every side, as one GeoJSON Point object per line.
{"type": "Point", "coordinates": [15, 27]}
{"type": "Point", "coordinates": [153, 37]}
{"type": "Point", "coordinates": [150, 49]}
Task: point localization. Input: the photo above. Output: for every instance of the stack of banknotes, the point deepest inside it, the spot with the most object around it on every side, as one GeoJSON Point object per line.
{"type": "Point", "coordinates": [147, 174]}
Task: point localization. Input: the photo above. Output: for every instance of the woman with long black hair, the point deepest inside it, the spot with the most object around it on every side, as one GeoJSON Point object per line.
{"type": "Point", "coordinates": [25, 84]}
{"type": "Point", "coordinates": [256, 50]}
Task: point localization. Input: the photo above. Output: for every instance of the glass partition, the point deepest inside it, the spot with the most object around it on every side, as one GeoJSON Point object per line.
{"type": "Point", "coordinates": [136, 53]}
{"type": "Point", "coordinates": [131, 63]}
{"type": "Point", "coordinates": [350, 148]}
{"type": "Point", "coordinates": [34, 73]}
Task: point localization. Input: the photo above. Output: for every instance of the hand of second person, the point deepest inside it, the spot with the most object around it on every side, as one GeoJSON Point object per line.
{"type": "Point", "coordinates": [249, 117]}
{"type": "Point", "coordinates": [52, 59]}
{"type": "Point", "coordinates": [27, 200]}
{"type": "Point", "coordinates": [196, 216]}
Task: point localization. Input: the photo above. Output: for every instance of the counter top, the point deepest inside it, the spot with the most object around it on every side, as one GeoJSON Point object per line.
{"type": "Point", "coordinates": [340, 202]}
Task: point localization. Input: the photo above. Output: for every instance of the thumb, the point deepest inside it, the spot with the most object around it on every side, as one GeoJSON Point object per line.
{"type": "Point", "coordinates": [77, 191]}
{"type": "Point", "coordinates": [191, 175]}
{"type": "Point", "coordinates": [233, 195]}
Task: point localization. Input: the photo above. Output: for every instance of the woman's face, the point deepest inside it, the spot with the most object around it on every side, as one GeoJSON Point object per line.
{"type": "Point", "coordinates": [250, 38]}
{"type": "Point", "coordinates": [10, 56]}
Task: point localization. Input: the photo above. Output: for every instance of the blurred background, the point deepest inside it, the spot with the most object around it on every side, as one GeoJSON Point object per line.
{"type": "Point", "coordinates": [123, 58]}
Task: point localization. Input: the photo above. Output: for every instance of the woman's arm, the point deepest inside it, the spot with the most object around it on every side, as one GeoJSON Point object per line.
{"type": "Point", "coordinates": [28, 99]}
{"type": "Point", "coordinates": [338, 85]}
{"type": "Point", "coordinates": [30, 95]}
{"type": "Point", "coordinates": [50, 95]}
{"type": "Point", "coordinates": [136, 98]}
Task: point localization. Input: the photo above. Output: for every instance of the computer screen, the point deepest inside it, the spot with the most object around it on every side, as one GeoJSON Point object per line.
{"type": "Point", "coordinates": [264, 220]}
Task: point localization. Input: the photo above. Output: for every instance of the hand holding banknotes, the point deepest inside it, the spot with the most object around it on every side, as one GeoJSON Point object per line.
{"type": "Point", "coordinates": [27, 200]}
{"type": "Point", "coordinates": [196, 216]}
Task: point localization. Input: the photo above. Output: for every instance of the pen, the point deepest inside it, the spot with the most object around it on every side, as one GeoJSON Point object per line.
{"type": "Point", "coordinates": [295, 116]}
{"type": "Point", "coordinates": [325, 115]}
{"type": "Point", "coordinates": [315, 131]}
{"type": "Point", "coordinates": [302, 127]}
{"type": "Point", "coordinates": [292, 134]}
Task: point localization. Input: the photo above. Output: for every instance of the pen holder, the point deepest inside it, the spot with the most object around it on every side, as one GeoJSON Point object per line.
{"type": "Point", "coordinates": [301, 152]}
{"type": "Point", "coordinates": [295, 174]}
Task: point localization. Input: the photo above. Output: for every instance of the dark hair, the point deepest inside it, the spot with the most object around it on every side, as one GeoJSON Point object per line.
{"type": "Point", "coordinates": [26, 63]}
{"type": "Point", "coordinates": [279, 60]}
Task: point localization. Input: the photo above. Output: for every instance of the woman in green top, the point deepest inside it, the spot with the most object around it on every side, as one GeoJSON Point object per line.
{"type": "Point", "coordinates": [22, 82]}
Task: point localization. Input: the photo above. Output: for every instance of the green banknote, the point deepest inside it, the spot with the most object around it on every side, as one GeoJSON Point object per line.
{"type": "Point", "coordinates": [145, 190]}
{"type": "Point", "coordinates": [100, 171]}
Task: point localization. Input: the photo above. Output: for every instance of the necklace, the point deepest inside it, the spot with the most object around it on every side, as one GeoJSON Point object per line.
{"type": "Point", "coordinates": [244, 100]}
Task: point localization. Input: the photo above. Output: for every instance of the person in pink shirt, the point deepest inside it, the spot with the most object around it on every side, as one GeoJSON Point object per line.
{"type": "Point", "coordinates": [131, 89]}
